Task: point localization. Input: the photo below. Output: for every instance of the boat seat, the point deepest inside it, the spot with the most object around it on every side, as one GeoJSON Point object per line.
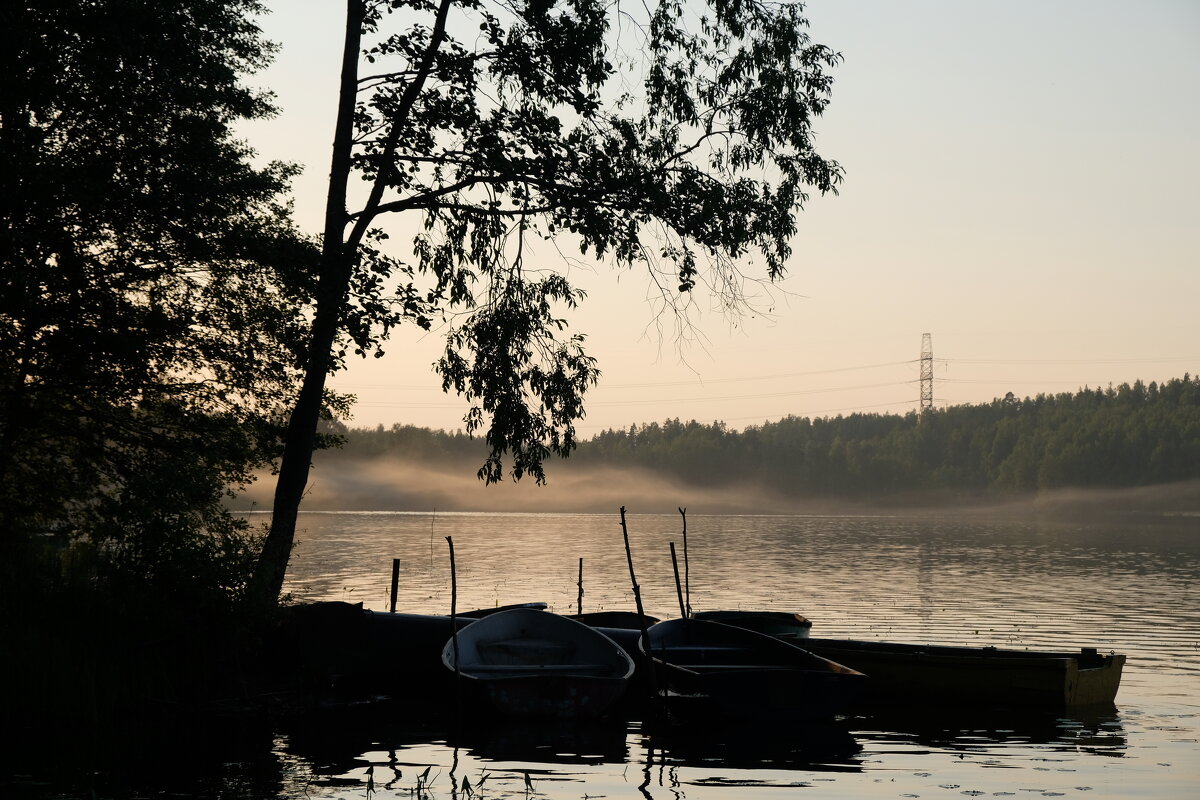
{"type": "Point", "coordinates": [525, 652]}
{"type": "Point", "coordinates": [539, 667]}
{"type": "Point", "coordinates": [731, 667]}
{"type": "Point", "coordinates": [694, 648]}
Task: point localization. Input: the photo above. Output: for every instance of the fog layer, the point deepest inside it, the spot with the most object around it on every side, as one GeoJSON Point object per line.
{"type": "Point", "coordinates": [390, 484]}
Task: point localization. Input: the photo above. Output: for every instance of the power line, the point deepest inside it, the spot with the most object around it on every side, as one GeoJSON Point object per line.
{"type": "Point", "coordinates": [1061, 361]}
{"type": "Point", "coordinates": [651, 401]}
{"type": "Point", "coordinates": [766, 418]}
{"type": "Point", "coordinates": [653, 384]}
{"type": "Point", "coordinates": [755, 377]}
{"type": "Point", "coordinates": [1005, 381]}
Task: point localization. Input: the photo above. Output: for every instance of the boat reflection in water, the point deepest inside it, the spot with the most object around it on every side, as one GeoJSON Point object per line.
{"type": "Point", "coordinates": [819, 746]}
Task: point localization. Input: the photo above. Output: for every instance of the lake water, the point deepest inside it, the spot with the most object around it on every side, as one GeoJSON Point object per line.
{"type": "Point", "coordinates": [1128, 588]}
{"type": "Point", "coordinates": [1132, 589]}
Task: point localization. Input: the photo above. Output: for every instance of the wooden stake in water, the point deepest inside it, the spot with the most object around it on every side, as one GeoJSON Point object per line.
{"type": "Point", "coordinates": [579, 602]}
{"type": "Point", "coordinates": [687, 581]}
{"type": "Point", "coordinates": [395, 582]}
{"type": "Point", "coordinates": [453, 606]}
{"type": "Point", "coordinates": [678, 587]}
{"type": "Point", "coordinates": [637, 599]}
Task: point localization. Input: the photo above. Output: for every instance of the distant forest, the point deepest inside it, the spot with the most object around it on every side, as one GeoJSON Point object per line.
{"type": "Point", "coordinates": [1123, 436]}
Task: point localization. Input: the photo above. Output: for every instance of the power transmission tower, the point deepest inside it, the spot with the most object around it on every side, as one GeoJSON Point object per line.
{"type": "Point", "coordinates": [926, 373]}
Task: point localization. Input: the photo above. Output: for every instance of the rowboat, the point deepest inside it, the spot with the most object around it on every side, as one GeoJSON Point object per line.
{"type": "Point", "coordinates": [978, 676]}
{"type": "Point", "coordinates": [629, 620]}
{"type": "Point", "coordinates": [781, 624]}
{"type": "Point", "coordinates": [744, 674]}
{"type": "Point", "coordinates": [476, 613]}
{"type": "Point", "coordinates": [534, 663]}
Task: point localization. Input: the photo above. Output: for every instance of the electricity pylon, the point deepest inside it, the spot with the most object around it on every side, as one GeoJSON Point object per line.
{"type": "Point", "coordinates": [926, 373]}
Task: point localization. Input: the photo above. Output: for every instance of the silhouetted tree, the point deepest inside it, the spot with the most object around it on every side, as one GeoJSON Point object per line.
{"type": "Point", "coordinates": [674, 136]}
{"type": "Point", "coordinates": [149, 281]}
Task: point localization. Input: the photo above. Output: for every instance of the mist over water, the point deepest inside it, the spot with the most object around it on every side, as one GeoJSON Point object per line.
{"type": "Point", "coordinates": [340, 483]}
{"type": "Point", "coordinates": [396, 485]}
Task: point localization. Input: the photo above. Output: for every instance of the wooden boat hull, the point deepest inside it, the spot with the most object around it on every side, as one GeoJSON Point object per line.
{"type": "Point", "coordinates": [947, 675]}
{"type": "Point", "coordinates": [780, 624]}
{"type": "Point", "coordinates": [745, 674]}
{"type": "Point", "coordinates": [627, 620]}
{"type": "Point", "coordinates": [534, 663]}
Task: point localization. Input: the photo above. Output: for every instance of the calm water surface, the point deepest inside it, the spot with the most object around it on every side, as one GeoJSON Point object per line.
{"type": "Point", "coordinates": [1021, 585]}
{"type": "Point", "coordinates": [1130, 589]}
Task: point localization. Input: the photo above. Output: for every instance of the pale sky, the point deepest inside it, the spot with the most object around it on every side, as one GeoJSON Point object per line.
{"type": "Point", "coordinates": [1022, 182]}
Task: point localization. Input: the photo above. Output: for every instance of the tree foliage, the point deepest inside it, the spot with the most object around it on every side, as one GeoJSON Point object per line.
{"type": "Point", "coordinates": [149, 281]}
{"type": "Point", "coordinates": [675, 137]}
{"type": "Point", "coordinates": [679, 141]}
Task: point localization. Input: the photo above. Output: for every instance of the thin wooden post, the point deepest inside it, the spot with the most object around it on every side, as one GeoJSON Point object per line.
{"type": "Point", "coordinates": [637, 599]}
{"type": "Point", "coordinates": [678, 586]}
{"type": "Point", "coordinates": [454, 608]}
{"type": "Point", "coordinates": [395, 582]}
{"type": "Point", "coordinates": [579, 603]}
{"type": "Point", "coordinates": [687, 581]}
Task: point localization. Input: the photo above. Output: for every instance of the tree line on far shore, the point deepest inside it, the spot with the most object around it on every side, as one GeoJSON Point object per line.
{"type": "Point", "coordinates": [1121, 436]}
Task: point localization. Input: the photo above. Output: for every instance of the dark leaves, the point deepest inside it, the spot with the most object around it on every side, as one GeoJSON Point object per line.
{"type": "Point", "coordinates": [524, 383]}
{"type": "Point", "coordinates": [676, 137]}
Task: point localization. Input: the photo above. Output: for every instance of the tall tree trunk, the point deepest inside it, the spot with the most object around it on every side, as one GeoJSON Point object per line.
{"type": "Point", "coordinates": [336, 264]}
{"type": "Point", "coordinates": [338, 252]}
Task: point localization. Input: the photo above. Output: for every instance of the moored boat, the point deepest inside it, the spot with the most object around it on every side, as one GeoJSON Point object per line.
{"type": "Point", "coordinates": [535, 663]}
{"type": "Point", "coordinates": [978, 676]}
{"type": "Point", "coordinates": [629, 620]}
{"type": "Point", "coordinates": [476, 613]}
{"type": "Point", "coordinates": [745, 674]}
{"type": "Point", "coordinates": [781, 624]}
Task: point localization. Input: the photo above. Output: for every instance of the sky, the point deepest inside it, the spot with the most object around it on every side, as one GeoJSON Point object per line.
{"type": "Point", "coordinates": [1022, 183]}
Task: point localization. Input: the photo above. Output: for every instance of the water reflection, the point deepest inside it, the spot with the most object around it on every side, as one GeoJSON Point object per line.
{"type": "Point", "coordinates": [976, 582]}
{"type": "Point", "coordinates": [1091, 732]}
{"type": "Point", "coordinates": [811, 746]}
{"type": "Point", "coordinates": [404, 751]}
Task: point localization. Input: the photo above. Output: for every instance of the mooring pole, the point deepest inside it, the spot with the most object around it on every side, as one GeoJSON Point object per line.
{"type": "Point", "coordinates": [579, 602]}
{"type": "Point", "coordinates": [687, 581]}
{"type": "Point", "coordinates": [678, 586]}
{"type": "Point", "coordinates": [395, 582]}
{"type": "Point", "coordinates": [637, 599]}
{"type": "Point", "coordinates": [454, 610]}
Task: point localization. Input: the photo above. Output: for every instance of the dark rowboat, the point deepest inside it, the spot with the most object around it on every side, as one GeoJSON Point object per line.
{"type": "Point", "coordinates": [535, 663]}
{"type": "Point", "coordinates": [629, 620]}
{"type": "Point", "coordinates": [781, 624]}
{"type": "Point", "coordinates": [978, 676]}
{"type": "Point", "coordinates": [476, 613]}
{"type": "Point", "coordinates": [745, 674]}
